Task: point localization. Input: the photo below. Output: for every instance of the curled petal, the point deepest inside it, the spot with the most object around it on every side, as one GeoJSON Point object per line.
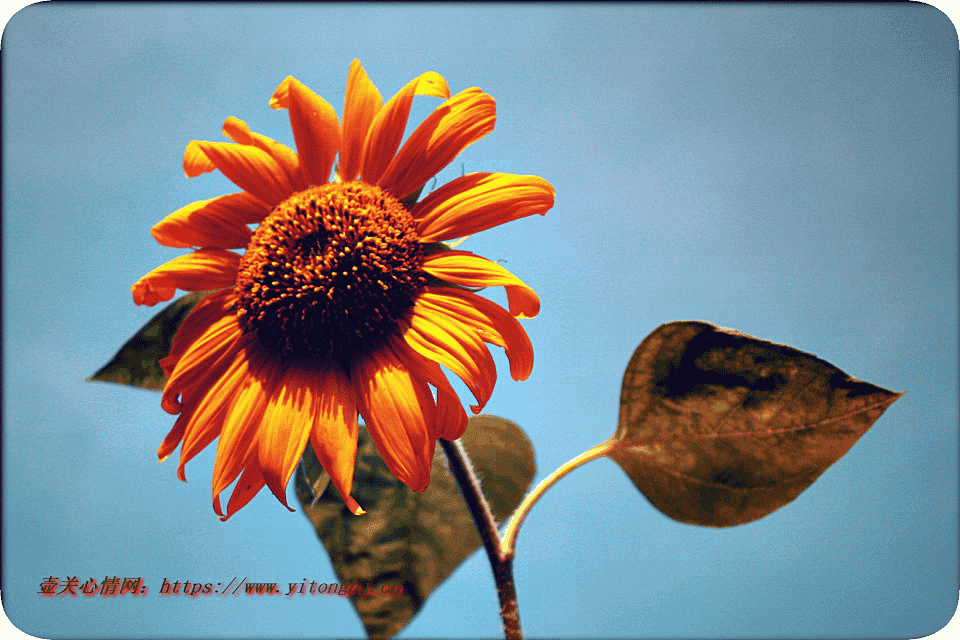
{"type": "Point", "coordinates": [400, 413]}
{"type": "Point", "coordinates": [450, 419]}
{"type": "Point", "coordinates": [316, 128]}
{"type": "Point", "coordinates": [198, 271]}
{"type": "Point", "coordinates": [216, 223]}
{"type": "Point", "coordinates": [478, 201]}
{"type": "Point", "coordinates": [493, 324]}
{"type": "Point", "coordinates": [203, 362]}
{"type": "Point", "coordinates": [173, 439]}
{"type": "Point", "coordinates": [250, 168]}
{"type": "Point", "coordinates": [439, 338]}
{"type": "Point", "coordinates": [454, 125]}
{"type": "Point", "coordinates": [470, 270]}
{"type": "Point", "coordinates": [249, 484]}
{"type": "Point", "coordinates": [386, 129]}
{"type": "Point", "coordinates": [361, 104]}
{"type": "Point", "coordinates": [195, 161]}
{"type": "Point", "coordinates": [209, 310]}
{"type": "Point", "coordinates": [238, 131]}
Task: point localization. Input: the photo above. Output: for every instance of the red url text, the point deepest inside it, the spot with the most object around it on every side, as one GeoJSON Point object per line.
{"type": "Point", "coordinates": [115, 586]}
{"type": "Point", "coordinates": [307, 587]}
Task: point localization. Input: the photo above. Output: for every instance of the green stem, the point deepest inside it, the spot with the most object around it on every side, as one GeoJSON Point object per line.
{"type": "Point", "coordinates": [508, 545]}
{"type": "Point", "coordinates": [502, 565]}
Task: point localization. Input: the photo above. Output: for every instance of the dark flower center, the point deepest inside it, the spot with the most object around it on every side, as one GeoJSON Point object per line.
{"type": "Point", "coordinates": [330, 271]}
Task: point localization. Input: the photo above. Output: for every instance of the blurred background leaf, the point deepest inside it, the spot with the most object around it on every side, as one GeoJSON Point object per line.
{"type": "Point", "coordinates": [137, 363]}
{"type": "Point", "coordinates": [719, 428]}
{"type": "Point", "coordinates": [412, 539]}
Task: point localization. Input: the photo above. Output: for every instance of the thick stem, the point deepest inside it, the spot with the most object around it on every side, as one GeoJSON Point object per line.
{"type": "Point", "coordinates": [502, 566]}
{"type": "Point", "coordinates": [508, 546]}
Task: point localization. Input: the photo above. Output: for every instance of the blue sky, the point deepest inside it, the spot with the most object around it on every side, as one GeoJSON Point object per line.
{"type": "Point", "coordinates": [789, 171]}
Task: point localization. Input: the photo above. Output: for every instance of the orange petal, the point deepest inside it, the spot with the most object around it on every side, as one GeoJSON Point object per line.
{"type": "Point", "coordinates": [386, 130]}
{"type": "Point", "coordinates": [206, 410]}
{"type": "Point", "coordinates": [454, 125]}
{"type": "Point", "coordinates": [173, 438]}
{"type": "Point", "coordinates": [207, 223]}
{"type": "Point", "coordinates": [361, 104]}
{"type": "Point", "coordinates": [493, 324]}
{"type": "Point", "coordinates": [209, 310]}
{"type": "Point", "coordinates": [244, 420]}
{"type": "Point", "coordinates": [450, 419]}
{"type": "Point", "coordinates": [252, 169]}
{"type": "Point", "coordinates": [400, 413]}
{"type": "Point", "coordinates": [249, 484]}
{"type": "Point", "coordinates": [316, 128]}
{"type": "Point", "coordinates": [437, 337]}
{"type": "Point", "coordinates": [335, 431]}
{"type": "Point", "coordinates": [203, 362]}
{"type": "Point", "coordinates": [470, 270]}
{"type": "Point", "coordinates": [195, 161]}
{"type": "Point", "coordinates": [197, 271]}
{"type": "Point", "coordinates": [287, 422]}
{"type": "Point", "coordinates": [478, 201]}
{"type": "Point", "coordinates": [238, 131]}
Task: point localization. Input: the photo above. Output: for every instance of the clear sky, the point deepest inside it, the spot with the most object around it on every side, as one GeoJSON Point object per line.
{"type": "Point", "coordinates": [786, 171]}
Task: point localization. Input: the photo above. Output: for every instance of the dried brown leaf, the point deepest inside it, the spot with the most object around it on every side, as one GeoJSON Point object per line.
{"type": "Point", "coordinates": [410, 542]}
{"type": "Point", "coordinates": [719, 428]}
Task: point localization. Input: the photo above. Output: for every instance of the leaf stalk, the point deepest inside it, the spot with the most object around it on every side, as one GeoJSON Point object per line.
{"type": "Point", "coordinates": [509, 542]}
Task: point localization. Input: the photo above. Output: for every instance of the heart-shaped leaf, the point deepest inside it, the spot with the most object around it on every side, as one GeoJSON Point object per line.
{"type": "Point", "coordinates": [719, 428]}
{"type": "Point", "coordinates": [408, 543]}
{"type": "Point", "coordinates": [138, 361]}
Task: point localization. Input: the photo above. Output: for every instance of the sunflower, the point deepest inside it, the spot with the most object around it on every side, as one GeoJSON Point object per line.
{"type": "Point", "coordinates": [346, 300]}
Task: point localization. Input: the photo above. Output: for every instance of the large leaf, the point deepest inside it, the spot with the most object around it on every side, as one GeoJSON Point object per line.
{"type": "Point", "coordinates": [409, 542]}
{"type": "Point", "coordinates": [138, 361]}
{"type": "Point", "coordinates": [719, 428]}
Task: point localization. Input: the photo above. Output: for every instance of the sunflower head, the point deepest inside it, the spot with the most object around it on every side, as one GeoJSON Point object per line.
{"type": "Point", "coordinates": [330, 272]}
{"type": "Point", "coordinates": [343, 303]}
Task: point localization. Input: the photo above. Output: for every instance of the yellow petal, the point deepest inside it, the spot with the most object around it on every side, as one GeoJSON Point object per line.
{"type": "Point", "coordinates": [198, 271]}
{"type": "Point", "coordinates": [386, 129]}
{"type": "Point", "coordinates": [361, 104]}
{"type": "Point", "coordinates": [470, 270]}
{"type": "Point", "coordinates": [432, 83]}
{"type": "Point", "coordinates": [316, 129]}
{"type": "Point", "coordinates": [478, 201]}
{"type": "Point", "coordinates": [454, 125]}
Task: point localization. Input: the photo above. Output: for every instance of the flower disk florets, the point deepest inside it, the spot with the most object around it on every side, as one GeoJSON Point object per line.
{"type": "Point", "coordinates": [330, 271]}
